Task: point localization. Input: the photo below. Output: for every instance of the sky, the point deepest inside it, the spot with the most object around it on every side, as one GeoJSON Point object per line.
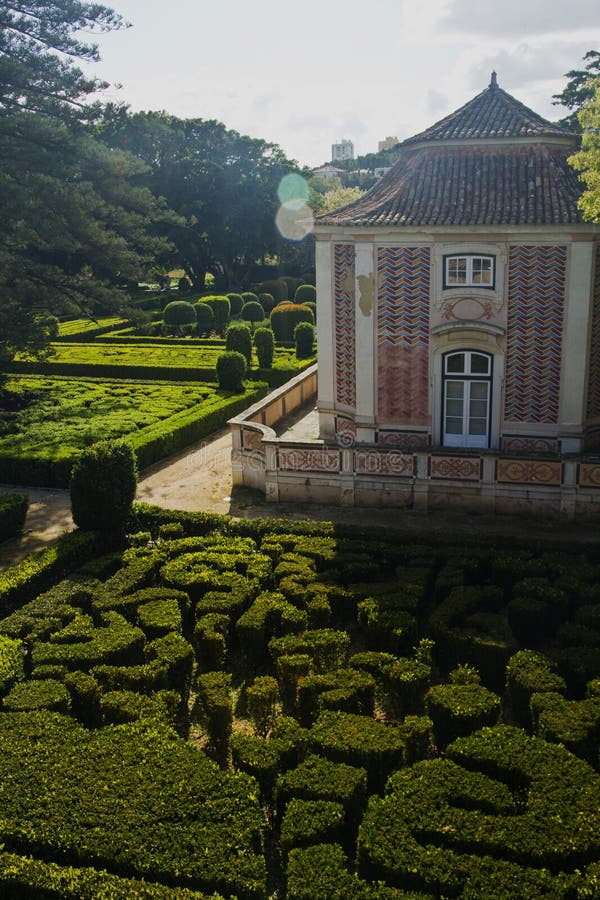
{"type": "Point", "coordinates": [305, 75]}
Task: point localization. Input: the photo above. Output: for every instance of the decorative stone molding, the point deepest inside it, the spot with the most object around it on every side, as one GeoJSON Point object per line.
{"type": "Point", "coordinates": [389, 462]}
{"type": "Point", "coordinates": [529, 444]}
{"type": "Point", "coordinates": [455, 468]}
{"type": "Point", "coordinates": [302, 460]}
{"type": "Point", "coordinates": [589, 475]}
{"type": "Point", "coordinates": [417, 440]}
{"type": "Point", "coordinates": [345, 431]}
{"type": "Point", "coordinates": [528, 471]}
{"type": "Point", "coordinates": [252, 440]}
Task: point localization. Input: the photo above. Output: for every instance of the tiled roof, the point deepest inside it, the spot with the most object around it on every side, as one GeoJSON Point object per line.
{"type": "Point", "coordinates": [475, 167]}
{"type": "Point", "coordinates": [524, 185]}
{"type": "Point", "coordinates": [491, 114]}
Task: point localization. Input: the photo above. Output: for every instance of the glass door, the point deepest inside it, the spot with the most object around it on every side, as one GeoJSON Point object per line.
{"type": "Point", "coordinates": [466, 407]}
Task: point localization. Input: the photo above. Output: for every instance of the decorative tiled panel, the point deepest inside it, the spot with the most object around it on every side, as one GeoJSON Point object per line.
{"type": "Point", "coordinates": [251, 440]}
{"type": "Point", "coordinates": [536, 296]}
{"type": "Point", "coordinates": [345, 431]}
{"type": "Point", "coordinates": [455, 468]}
{"type": "Point", "coordinates": [403, 284]}
{"type": "Point", "coordinates": [593, 398]}
{"type": "Point", "coordinates": [417, 440]}
{"type": "Point", "coordinates": [528, 471]}
{"type": "Point", "coordinates": [390, 462]}
{"type": "Point", "coordinates": [302, 460]}
{"type": "Point", "coordinates": [589, 475]}
{"type": "Point", "coordinates": [345, 328]}
{"type": "Point", "coordinates": [529, 444]}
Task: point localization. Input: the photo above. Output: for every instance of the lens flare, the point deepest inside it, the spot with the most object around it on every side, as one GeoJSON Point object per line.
{"type": "Point", "coordinates": [294, 220]}
{"type": "Point", "coordinates": [293, 188]}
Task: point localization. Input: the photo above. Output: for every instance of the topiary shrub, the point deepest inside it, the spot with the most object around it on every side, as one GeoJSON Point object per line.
{"type": "Point", "coordinates": [267, 301]}
{"type": "Point", "coordinates": [45, 694]}
{"type": "Point", "coordinates": [221, 308]}
{"type": "Point", "coordinates": [529, 673]}
{"type": "Point", "coordinates": [11, 662]}
{"type": "Point", "coordinates": [214, 709]}
{"type": "Point", "coordinates": [308, 822]}
{"type": "Point", "coordinates": [231, 369]}
{"type": "Point", "coordinates": [286, 316]}
{"type": "Point", "coordinates": [264, 343]}
{"type": "Point", "coordinates": [13, 510]}
{"type": "Point", "coordinates": [236, 301]}
{"type": "Point", "coordinates": [253, 312]}
{"type": "Point", "coordinates": [178, 314]}
{"type": "Point", "coordinates": [239, 338]}
{"type": "Point", "coordinates": [304, 337]}
{"type": "Point", "coordinates": [262, 697]}
{"type": "Point", "coordinates": [205, 319]}
{"type": "Point", "coordinates": [277, 287]}
{"type": "Point", "coordinates": [103, 485]}
{"type": "Point", "coordinates": [249, 297]}
{"type": "Point", "coordinates": [305, 292]}
{"type": "Point", "coordinates": [457, 710]}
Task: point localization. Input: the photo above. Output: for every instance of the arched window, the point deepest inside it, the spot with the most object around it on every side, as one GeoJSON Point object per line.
{"type": "Point", "coordinates": [466, 407]}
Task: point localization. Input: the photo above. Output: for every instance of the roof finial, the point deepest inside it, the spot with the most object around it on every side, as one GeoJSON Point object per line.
{"type": "Point", "coordinates": [494, 80]}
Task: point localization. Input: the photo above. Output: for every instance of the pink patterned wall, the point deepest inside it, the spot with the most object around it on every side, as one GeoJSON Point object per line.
{"type": "Point", "coordinates": [536, 298]}
{"type": "Point", "coordinates": [593, 398]}
{"type": "Point", "coordinates": [403, 279]}
{"type": "Point", "coordinates": [345, 328]}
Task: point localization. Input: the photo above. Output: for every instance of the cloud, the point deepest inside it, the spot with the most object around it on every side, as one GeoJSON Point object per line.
{"type": "Point", "coordinates": [519, 17]}
{"type": "Point", "coordinates": [436, 102]}
{"type": "Point", "coordinates": [527, 64]}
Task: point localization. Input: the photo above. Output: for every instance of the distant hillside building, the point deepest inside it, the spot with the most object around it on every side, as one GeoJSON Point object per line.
{"type": "Point", "coordinates": [328, 172]}
{"type": "Point", "coordinates": [387, 144]}
{"type": "Point", "coordinates": [342, 150]}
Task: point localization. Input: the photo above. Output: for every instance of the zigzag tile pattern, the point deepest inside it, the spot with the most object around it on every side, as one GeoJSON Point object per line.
{"type": "Point", "coordinates": [593, 399]}
{"type": "Point", "coordinates": [536, 296]}
{"type": "Point", "coordinates": [403, 279]}
{"type": "Point", "coordinates": [345, 328]}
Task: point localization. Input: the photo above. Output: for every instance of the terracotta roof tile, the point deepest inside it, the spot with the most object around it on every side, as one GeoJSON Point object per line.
{"type": "Point", "coordinates": [524, 184]}
{"type": "Point", "coordinates": [492, 162]}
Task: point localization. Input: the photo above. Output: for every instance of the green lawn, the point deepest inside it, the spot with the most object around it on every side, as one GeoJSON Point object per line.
{"type": "Point", "coordinates": [46, 421]}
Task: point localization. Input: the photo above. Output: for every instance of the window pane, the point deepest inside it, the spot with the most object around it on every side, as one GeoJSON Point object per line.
{"type": "Point", "coordinates": [478, 408]}
{"type": "Point", "coordinates": [454, 425]}
{"type": "Point", "coordinates": [480, 365]}
{"type": "Point", "coordinates": [454, 408]}
{"type": "Point", "coordinates": [477, 426]}
{"type": "Point", "coordinates": [479, 390]}
{"type": "Point", "coordinates": [457, 270]}
{"type": "Point", "coordinates": [482, 270]}
{"type": "Point", "coordinates": [455, 363]}
{"type": "Point", "coordinates": [455, 390]}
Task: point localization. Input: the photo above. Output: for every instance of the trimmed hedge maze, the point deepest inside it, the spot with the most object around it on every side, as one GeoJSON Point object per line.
{"type": "Point", "coordinates": [256, 709]}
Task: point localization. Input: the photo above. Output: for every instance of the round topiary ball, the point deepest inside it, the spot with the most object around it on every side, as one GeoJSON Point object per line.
{"type": "Point", "coordinates": [231, 368]}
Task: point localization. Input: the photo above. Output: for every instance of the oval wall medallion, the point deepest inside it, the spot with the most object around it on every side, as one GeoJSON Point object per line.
{"type": "Point", "coordinates": [468, 309]}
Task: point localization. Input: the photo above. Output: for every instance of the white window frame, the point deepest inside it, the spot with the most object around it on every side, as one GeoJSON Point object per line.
{"type": "Point", "coordinates": [467, 377]}
{"type": "Point", "coordinates": [469, 259]}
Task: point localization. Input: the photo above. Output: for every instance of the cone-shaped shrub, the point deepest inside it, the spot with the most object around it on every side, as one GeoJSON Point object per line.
{"type": "Point", "coordinates": [103, 483]}
{"type": "Point", "coordinates": [253, 312]}
{"type": "Point", "coordinates": [221, 308]}
{"type": "Point", "coordinates": [305, 292]}
{"type": "Point", "coordinates": [304, 336]}
{"type": "Point", "coordinates": [285, 317]}
{"type": "Point", "coordinates": [179, 312]}
{"type": "Point", "coordinates": [231, 368]}
{"type": "Point", "coordinates": [236, 301]}
{"type": "Point", "coordinates": [264, 343]}
{"type": "Point", "coordinates": [205, 317]}
{"type": "Point", "coordinates": [239, 338]}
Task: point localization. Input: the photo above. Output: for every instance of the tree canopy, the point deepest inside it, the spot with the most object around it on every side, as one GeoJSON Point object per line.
{"type": "Point", "coordinates": [587, 160]}
{"type": "Point", "coordinates": [75, 221]}
{"type": "Point", "coordinates": [223, 185]}
{"type": "Point", "coordinates": [579, 89]}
